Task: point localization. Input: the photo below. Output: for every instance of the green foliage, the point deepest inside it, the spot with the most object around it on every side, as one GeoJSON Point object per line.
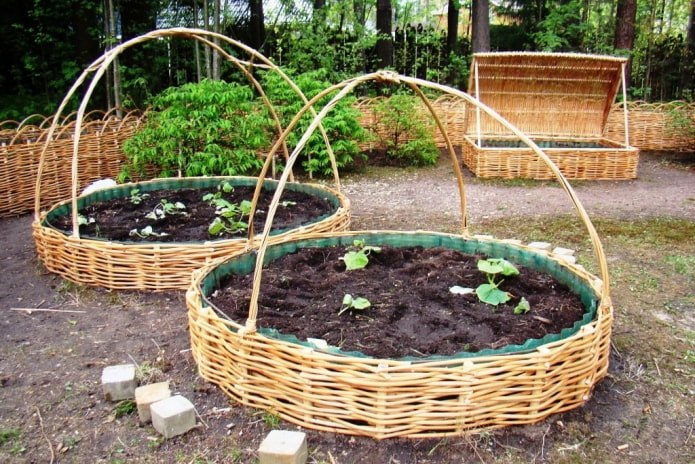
{"type": "Point", "coordinates": [124, 408]}
{"type": "Point", "coordinates": [165, 208]}
{"type": "Point", "coordinates": [206, 129]}
{"type": "Point", "coordinates": [408, 138]}
{"type": "Point", "coordinates": [358, 303]}
{"type": "Point", "coordinates": [230, 216]}
{"type": "Point", "coordinates": [8, 435]}
{"type": "Point", "coordinates": [358, 257]}
{"type": "Point", "coordinates": [341, 123]}
{"type": "Point", "coordinates": [562, 29]}
{"type": "Point", "coordinates": [490, 293]}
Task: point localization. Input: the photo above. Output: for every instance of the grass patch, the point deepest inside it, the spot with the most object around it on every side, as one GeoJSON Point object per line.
{"type": "Point", "coordinates": [9, 435]}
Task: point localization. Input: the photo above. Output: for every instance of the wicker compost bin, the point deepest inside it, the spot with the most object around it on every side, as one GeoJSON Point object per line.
{"type": "Point", "coordinates": [20, 147]}
{"type": "Point", "coordinates": [326, 389]}
{"type": "Point", "coordinates": [668, 126]}
{"type": "Point", "coordinates": [562, 102]}
{"type": "Point", "coordinates": [155, 265]}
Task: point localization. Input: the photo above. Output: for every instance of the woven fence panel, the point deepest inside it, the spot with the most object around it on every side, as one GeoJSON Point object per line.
{"type": "Point", "coordinates": [100, 150]}
{"type": "Point", "coordinates": [666, 126]}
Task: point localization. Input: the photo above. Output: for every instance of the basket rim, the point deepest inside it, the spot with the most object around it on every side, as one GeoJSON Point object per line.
{"type": "Point", "coordinates": [337, 199]}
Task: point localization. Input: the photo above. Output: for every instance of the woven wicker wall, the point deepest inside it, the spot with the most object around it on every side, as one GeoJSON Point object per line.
{"type": "Point", "coordinates": [653, 126]}
{"type": "Point", "coordinates": [100, 150]}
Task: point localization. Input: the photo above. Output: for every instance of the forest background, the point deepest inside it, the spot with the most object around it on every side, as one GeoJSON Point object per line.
{"type": "Point", "coordinates": [47, 44]}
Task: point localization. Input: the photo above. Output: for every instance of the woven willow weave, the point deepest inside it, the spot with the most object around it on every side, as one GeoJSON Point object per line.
{"type": "Point", "coordinates": [101, 139]}
{"type": "Point", "coordinates": [325, 389]}
{"type": "Point", "coordinates": [550, 97]}
{"type": "Point", "coordinates": [666, 126]}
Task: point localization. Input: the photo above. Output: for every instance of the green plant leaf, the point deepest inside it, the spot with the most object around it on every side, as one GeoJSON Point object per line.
{"type": "Point", "coordinates": [523, 307]}
{"type": "Point", "coordinates": [360, 303]}
{"type": "Point", "coordinates": [497, 266]}
{"type": "Point", "coordinates": [355, 260]}
{"type": "Point", "coordinates": [492, 295]}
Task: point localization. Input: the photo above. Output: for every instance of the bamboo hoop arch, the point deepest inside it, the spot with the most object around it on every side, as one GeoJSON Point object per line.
{"type": "Point", "coordinates": [348, 86]}
{"type": "Point", "coordinates": [101, 64]}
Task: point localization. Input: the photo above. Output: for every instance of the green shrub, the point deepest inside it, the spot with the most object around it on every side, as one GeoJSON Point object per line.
{"type": "Point", "coordinates": [341, 123]}
{"type": "Point", "coordinates": [408, 138]}
{"type": "Point", "coordinates": [204, 129]}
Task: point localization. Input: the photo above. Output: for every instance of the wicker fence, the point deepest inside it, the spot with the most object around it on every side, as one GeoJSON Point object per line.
{"type": "Point", "coordinates": [21, 144]}
{"type": "Point", "coordinates": [668, 126]}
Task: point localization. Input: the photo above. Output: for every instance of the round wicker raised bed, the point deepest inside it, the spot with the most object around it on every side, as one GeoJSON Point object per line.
{"type": "Point", "coordinates": [323, 388]}
{"type": "Point", "coordinates": [152, 265]}
{"type": "Point", "coordinates": [156, 265]}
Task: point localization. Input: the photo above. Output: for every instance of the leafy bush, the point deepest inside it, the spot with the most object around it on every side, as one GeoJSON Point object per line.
{"type": "Point", "coordinates": [341, 123]}
{"type": "Point", "coordinates": [205, 129]}
{"type": "Point", "coordinates": [407, 138]}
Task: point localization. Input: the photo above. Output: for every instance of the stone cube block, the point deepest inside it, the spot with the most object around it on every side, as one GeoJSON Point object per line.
{"type": "Point", "coordinates": [173, 416]}
{"type": "Point", "coordinates": [146, 395]}
{"type": "Point", "coordinates": [118, 382]}
{"type": "Point", "coordinates": [283, 447]}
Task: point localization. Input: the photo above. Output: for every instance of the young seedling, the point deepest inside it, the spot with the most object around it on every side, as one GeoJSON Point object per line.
{"type": "Point", "coordinates": [146, 232]}
{"type": "Point", "coordinates": [490, 292]}
{"type": "Point", "coordinates": [164, 208]}
{"type": "Point", "coordinates": [229, 217]}
{"type": "Point", "coordinates": [358, 303]}
{"type": "Point", "coordinates": [136, 197]}
{"type": "Point", "coordinates": [84, 220]}
{"type": "Point", "coordinates": [358, 257]}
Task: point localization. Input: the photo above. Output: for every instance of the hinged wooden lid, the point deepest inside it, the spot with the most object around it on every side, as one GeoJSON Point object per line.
{"type": "Point", "coordinates": [546, 94]}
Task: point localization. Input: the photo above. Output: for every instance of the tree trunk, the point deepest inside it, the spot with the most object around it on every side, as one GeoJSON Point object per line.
{"type": "Point", "coordinates": [215, 55]}
{"type": "Point", "coordinates": [481, 26]}
{"type": "Point", "coordinates": [196, 45]}
{"type": "Point", "coordinates": [452, 26]}
{"type": "Point", "coordinates": [257, 25]}
{"type": "Point", "coordinates": [384, 44]}
{"type": "Point", "coordinates": [624, 37]}
{"type": "Point", "coordinates": [111, 27]}
{"type": "Point", "coordinates": [688, 68]}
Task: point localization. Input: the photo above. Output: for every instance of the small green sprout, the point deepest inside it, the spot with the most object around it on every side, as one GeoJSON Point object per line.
{"type": "Point", "coordinates": [136, 197]}
{"type": "Point", "coordinates": [358, 303]}
{"type": "Point", "coordinates": [164, 208]}
{"type": "Point", "coordinates": [84, 220]}
{"type": "Point", "coordinates": [490, 293]}
{"type": "Point", "coordinates": [229, 217]}
{"type": "Point", "coordinates": [523, 307]}
{"type": "Point", "coordinates": [358, 257]}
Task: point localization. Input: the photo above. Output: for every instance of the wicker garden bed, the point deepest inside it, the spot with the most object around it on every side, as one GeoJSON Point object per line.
{"type": "Point", "coordinates": [318, 386]}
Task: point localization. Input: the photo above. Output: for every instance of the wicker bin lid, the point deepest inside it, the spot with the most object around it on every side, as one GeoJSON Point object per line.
{"type": "Point", "coordinates": [547, 94]}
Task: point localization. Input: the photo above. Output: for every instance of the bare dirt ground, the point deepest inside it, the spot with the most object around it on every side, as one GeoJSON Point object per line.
{"type": "Point", "coordinates": [52, 409]}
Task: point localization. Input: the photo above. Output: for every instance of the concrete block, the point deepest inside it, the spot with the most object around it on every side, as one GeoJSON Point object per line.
{"type": "Point", "coordinates": [540, 245]}
{"type": "Point", "coordinates": [283, 447]}
{"type": "Point", "coordinates": [148, 394]}
{"type": "Point", "coordinates": [563, 251]}
{"type": "Point", "coordinates": [118, 382]}
{"type": "Point", "coordinates": [173, 416]}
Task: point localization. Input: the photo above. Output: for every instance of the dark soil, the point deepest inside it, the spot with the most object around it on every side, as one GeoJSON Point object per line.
{"type": "Point", "coordinates": [116, 218]}
{"type": "Point", "coordinates": [412, 311]}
